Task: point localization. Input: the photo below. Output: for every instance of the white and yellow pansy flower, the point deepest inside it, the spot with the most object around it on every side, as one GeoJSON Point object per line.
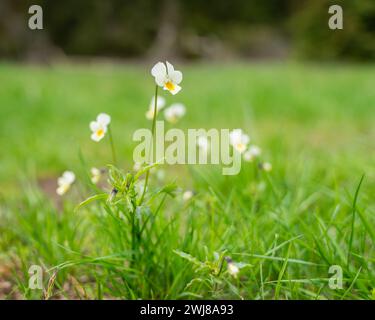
{"type": "Point", "coordinates": [96, 174]}
{"type": "Point", "coordinates": [160, 104]}
{"type": "Point", "coordinates": [167, 77]}
{"type": "Point", "coordinates": [253, 152]}
{"type": "Point", "coordinates": [99, 127]}
{"type": "Point", "coordinates": [239, 140]}
{"type": "Point", "coordinates": [175, 112]}
{"type": "Point", "coordinates": [64, 182]}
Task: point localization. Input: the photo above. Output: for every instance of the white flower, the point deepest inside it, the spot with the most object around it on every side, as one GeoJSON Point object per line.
{"type": "Point", "coordinates": [187, 195]}
{"type": "Point", "coordinates": [160, 103]}
{"type": "Point", "coordinates": [99, 127]}
{"type": "Point", "coordinates": [239, 140]}
{"type": "Point", "coordinates": [233, 269]}
{"type": "Point", "coordinates": [255, 150]}
{"type": "Point", "coordinates": [64, 182]}
{"type": "Point", "coordinates": [203, 144]}
{"type": "Point", "coordinates": [166, 77]}
{"type": "Point", "coordinates": [174, 112]}
{"type": "Point", "coordinates": [266, 166]}
{"type": "Point", "coordinates": [95, 175]}
{"type": "Point", "coordinates": [251, 153]}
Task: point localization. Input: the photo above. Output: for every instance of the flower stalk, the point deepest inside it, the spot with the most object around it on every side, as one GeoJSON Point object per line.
{"type": "Point", "coordinates": [151, 149]}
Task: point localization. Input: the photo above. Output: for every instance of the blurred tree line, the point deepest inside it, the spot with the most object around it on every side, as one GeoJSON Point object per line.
{"type": "Point", "coordinates": [188, 29]}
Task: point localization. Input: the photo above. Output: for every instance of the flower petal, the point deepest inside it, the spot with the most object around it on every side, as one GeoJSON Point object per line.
{"type": "Point", "coordinates": [254, 150]}
{"type": "Point", "coordinates": [161, 80]}
{"type": "Point", "coordinates": [103, 119]}
{"type": "Point", "coordinates": [60, 181]}
{"type": "Point", "coordinates": [176, 77]}
{"type": "Point", "coordinates": [96, 138]}
{"type": "Point", "coordinates": [187, 195]}
{"type": "Point", "coordinates": [176, 89]}
{"type": "Point", "coordinates": [62, 189]}
{"type": "Point", "coordinates": [238, 137]}
{"type": "Point", "coordinates": [170, 68]}
{"type": "Point", "coordinates": [69, 177]}
{"type": "Point", "coordinates": [266, 166]}
{"type": "Point", "coordinates": [95, 171]}
{"type": "Point", "coordinates": [235, 136]}
{"type": "Point", "coordinates": [248, 156]}
{"type": "Point", "coordinates": [179, 109]}
{"type": "Point", "coordinates": [160, 104]}
{"type": "Point", "coordinates": [174, 112]}
{"type": "Point", "coordinates": [245, 138]}
{"type": "Point", "coordinates": [159, 70]}
{"type": "Point", "coordinates": [95, 175]}
{"type": "Point", "coordinates": [94, 126]}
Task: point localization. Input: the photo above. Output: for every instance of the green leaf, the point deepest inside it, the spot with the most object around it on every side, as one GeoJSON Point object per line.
{"type": "Point", "coordinates": [281, 274]}
{"type": "Point", "coordinates": [354, 209]}
{"type": "Point", "coordinates": [169, 189]}
{"type": "Point", "coordinates": [188, 257]}
{"type": "Point", "coordinates": [91, 199]}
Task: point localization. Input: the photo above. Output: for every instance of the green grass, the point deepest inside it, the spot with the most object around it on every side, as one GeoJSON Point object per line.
{"type": "Point", "coordinates": [315, 124]}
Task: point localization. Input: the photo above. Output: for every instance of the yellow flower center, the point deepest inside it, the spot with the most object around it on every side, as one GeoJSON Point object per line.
{"type": "Point", "coordinates": [240, 147]}
{"type": "Point", "coordinates": [100, 132]}
{"type": "Point", "coordinates": [64, 188]}
{"type": "Point", "coordinates": [169, 85]}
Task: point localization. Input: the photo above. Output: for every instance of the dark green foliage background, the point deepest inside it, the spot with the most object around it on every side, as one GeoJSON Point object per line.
{"type": "Point", "coordinates": [240, 28]}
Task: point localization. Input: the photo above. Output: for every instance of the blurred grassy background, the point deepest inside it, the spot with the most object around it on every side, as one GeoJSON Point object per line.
{"type": "Point", "coordinates": [314, 113]}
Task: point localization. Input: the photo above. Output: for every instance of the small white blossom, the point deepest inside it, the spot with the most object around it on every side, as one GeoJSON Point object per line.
{"type": "Point", "coordinates": [64, 182]}
{"type": "Point", "coordinates": [266, 166]}
{"type": "Point", "coordinates": [160, 103]}
{"type": "Point", "coordinates": [239, 140]}
{"type": "Point", "coordinates": [175, 112]}
{"type": "Point", "coordinates": [167, 77]}
{"type": "Point", "coordinates": [99, 127]}
{"type": "Point", "coordinates": [233, 269]}
{"type": "Point", "coordinates": [251, 153]}
{"type": "Point", "coordinates": [95, 175]}
{"type": "Point", "coordinates": [187, 195]}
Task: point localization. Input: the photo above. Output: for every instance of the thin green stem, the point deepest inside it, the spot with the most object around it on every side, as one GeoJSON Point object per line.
{"type": "Point", "coordinates": [151, 145]}
{"type": "Point", "coordinates": [112, 146]}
